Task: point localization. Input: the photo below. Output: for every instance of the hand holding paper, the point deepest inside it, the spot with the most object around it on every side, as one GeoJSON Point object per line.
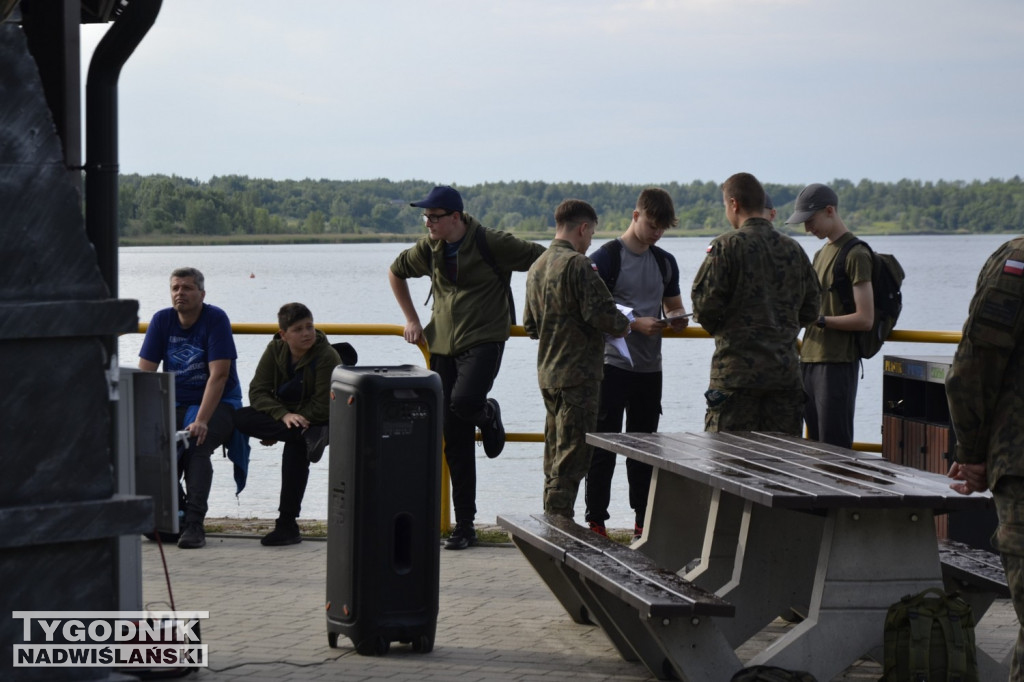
{"type": "Point", "coordinates": [619, 343]}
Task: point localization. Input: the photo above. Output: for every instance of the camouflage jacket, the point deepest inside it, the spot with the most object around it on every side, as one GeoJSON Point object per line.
{"type": "Point", "coordinates": [985, 386]}
{"type": "Point", "coordinates": [473, 309]}
{"type": "Point", "coordinates": [754, 292]}
{"type": "Point", "coordinates": [569, 309]}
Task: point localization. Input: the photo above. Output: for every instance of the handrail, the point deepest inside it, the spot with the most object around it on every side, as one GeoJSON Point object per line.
{"type": "Point", "coordinates": [694, 332]}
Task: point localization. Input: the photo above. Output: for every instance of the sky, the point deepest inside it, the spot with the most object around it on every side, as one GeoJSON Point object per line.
{"type": "Point", "coordinates": [651, 91]}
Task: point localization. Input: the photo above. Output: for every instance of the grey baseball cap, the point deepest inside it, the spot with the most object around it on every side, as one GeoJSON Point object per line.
{"type": "Point", "coordinates": [812, 199]}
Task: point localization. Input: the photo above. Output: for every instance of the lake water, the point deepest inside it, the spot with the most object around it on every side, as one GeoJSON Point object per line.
{"type": "Point", "coordinates": [348, 284]}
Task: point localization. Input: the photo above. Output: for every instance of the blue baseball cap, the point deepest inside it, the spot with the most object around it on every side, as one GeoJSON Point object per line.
{"type": "Point", "coordinates": [441, 197]}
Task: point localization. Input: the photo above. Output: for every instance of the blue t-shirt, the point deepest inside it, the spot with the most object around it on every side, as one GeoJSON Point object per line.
{"type": "Point", "coordinates": [187, 352]}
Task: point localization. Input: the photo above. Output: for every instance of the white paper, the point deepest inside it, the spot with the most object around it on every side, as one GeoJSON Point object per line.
{"type": "Point", "coordinates": [619, 343]}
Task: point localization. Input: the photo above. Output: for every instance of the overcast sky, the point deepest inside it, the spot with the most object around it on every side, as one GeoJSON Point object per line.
{"type": "Point", "coordinates": [470, 91]}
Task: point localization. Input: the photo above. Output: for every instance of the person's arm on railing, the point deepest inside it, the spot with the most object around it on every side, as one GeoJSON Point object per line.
{"type": "Point", "coordinates": [413, 329]}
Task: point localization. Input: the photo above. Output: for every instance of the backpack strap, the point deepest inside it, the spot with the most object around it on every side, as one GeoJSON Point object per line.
{"type": "Point", "coordinates": [663, 265]}
{"type": "Point", "coordinates": [956, 646]}
{"type": "Point", "coordinates": [608, 259]}
{"type": "Point", "coordinates": [919, 649]}
{"type": "Point", "coordinates": [485, 252]}
{"type": "Point", "coordinates": [841, 283]}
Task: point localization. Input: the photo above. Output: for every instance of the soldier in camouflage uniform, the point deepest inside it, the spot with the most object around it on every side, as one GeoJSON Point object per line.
{"type": "Point", "coordinates": [569, 309]}
{"type": "Point", "coordinates": [754, 292]}
{"type": "Point", "coordinates": [985, 389]}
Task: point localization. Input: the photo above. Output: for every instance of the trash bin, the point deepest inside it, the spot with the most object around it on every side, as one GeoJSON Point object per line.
{"type": "Point", "coordinates": [917, 431]}
{"type": "Point", "coordinates": [384, 505]}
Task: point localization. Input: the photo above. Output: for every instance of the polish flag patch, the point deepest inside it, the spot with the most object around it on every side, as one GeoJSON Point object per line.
{"type": "Point", "coordinates": [1013, 267]}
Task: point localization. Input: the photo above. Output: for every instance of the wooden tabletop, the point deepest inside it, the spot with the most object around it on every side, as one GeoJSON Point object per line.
{"type": "Point", "coordinates": [776, 470]}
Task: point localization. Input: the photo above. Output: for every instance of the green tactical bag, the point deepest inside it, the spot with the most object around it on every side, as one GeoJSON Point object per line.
{"type": "Point", "coordinates": [929, 637]}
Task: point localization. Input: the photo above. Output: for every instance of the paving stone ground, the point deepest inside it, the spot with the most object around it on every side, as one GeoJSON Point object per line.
{"type": "Point", "coordinates": [497, 620]}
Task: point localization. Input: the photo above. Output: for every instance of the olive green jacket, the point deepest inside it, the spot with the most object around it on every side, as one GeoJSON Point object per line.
{"type": "Point", "coordinates": [473, 309]}
{"type": "Point", "coordinates": [316, 368]}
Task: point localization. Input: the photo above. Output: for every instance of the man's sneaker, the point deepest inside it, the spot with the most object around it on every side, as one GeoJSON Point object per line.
{"type": "Point", "coordinates": [193, 536]}
{"type": "Point", "coordinates": [316, 438]}
{"type": "Point", "coordinates": [638, 531]}
{"type": "Point", "coordinates": [463, 536]}
{"type": "Point", "coordinates": [493, 433]}
{"type": "Point", "coordinates": [598, 528]}
{"type": "Point", "coordinates": [286, 532]}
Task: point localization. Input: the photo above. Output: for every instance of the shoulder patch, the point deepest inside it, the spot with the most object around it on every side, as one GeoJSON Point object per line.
{"type": "Point", "coordinates": [1013, 267]}
{"type": "Point", "coordinates": [710, 249]}
{"type": "Point", "coordinates": [593, 266]}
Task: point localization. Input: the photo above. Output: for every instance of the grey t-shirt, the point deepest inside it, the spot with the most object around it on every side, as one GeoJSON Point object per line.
{"type": "Point", "coordinates": [641, 287]}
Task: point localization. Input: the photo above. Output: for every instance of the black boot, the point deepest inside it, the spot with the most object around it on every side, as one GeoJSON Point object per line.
{"type": "Point", "coordinates": [286, 532]}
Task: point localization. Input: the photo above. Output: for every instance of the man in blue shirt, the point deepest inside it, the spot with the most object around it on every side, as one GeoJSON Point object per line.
{"type": "Point", "coordinates": [193, 340]}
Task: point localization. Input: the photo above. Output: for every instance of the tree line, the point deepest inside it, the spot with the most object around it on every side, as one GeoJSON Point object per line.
{"type": "Point", "coordinates": [161, 205]}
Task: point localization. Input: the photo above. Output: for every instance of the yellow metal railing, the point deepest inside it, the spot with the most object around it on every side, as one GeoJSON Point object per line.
{"type": "Point", "coordinates": [693, 332]}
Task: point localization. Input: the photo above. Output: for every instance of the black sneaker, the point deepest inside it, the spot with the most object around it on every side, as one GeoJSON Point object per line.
{"type": "Point", "coordinates": [193, 536]}
{"type": "Point", "coordinates": [286, 532]}
{"type": "Point", "coordinates": [316, 438]}
{"type": "Point", "coordinates": [493, 434]}
{"type": "Point", "coordinates": [463, 536]}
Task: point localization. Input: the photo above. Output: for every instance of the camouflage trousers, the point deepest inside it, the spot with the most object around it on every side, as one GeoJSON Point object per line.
{"type": "Point", "coordinates": [571, 413]}
{"type": "Point", "coordinates": [751, 409]}
{"type": "Point", "coordinates": [1009, 540]}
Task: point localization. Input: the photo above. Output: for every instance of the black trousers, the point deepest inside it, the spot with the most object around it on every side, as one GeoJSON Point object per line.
{"type": "Point", "coordinates": [294, 461]}
{"type": "Point", "coordinates": [198, 465]}
{"type": "Point", "coordinates": [638, 396]}
{"type": "Point", "coordinates": [831, 389]}
{"type": "Point", "coordinates": [466, 380]}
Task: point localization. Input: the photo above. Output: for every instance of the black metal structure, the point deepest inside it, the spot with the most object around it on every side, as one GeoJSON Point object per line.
{"type": "Point", "coordinates": [60, 511]}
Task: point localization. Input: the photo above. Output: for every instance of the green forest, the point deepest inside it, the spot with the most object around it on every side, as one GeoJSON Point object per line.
{"type": "Point", "coordinates": [170, 209]}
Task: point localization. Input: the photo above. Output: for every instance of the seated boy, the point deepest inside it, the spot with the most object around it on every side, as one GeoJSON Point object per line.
{"type": "Point", "coordinates": [289, 401]}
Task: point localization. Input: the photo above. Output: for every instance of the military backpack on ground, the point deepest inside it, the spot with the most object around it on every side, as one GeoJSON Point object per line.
{"type": "Point", "coordinates": [886, 279]}
{"type": "Point", "coordinates": [929, 637]}
{"type": "Point", "coordinates": [768, 673]}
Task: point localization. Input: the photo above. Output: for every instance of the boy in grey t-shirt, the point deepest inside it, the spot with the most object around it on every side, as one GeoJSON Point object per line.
{"type": "Point", "coordinates": [645, 278]}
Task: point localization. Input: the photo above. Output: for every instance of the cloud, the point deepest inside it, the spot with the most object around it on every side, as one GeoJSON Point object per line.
{"type": "Point", "coordinates": [577, 89]}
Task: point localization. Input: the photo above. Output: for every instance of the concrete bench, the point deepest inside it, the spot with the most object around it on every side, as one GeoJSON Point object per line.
{"type": "Point", "coordinates": [650, 614]}
{"type": "Point", "coordinates": [977, 575]}
{"type": "Point", "coordinates": [973, 572]}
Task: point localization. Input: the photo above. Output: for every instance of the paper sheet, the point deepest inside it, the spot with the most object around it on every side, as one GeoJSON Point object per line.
{"type": "Point", "coordinates": [619, 343]}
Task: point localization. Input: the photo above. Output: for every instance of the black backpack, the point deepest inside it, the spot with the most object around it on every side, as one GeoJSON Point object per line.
{"type": "Point", "coordinates": [614, 250]}
{"type": "Point", "coordinates": [886, 279]}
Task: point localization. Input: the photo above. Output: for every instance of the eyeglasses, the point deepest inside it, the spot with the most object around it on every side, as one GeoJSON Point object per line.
{"type": "Point", "coordinates": [435, 218]}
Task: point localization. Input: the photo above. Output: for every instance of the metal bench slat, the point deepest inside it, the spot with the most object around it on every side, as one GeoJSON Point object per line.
{"type": "Point", "coordinates": [627, 574]}
{"type": "Point", "coordinates": [973, 567]}
{"type": "Point", "coordinates": [644, 570]}
{"type": "Point", "coordinates": [781, 471]}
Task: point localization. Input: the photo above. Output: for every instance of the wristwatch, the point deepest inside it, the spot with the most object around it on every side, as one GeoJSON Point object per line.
{"type": "Point", "coordinates": [820, 322]}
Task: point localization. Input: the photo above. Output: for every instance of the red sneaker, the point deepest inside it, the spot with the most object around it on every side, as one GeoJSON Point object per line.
{"type": "Point", "coordinates": [598, 528]}
{"type": "Point", "coordinates": [638, 531]}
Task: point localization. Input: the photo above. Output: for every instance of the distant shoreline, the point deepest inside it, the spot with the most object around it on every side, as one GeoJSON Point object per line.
{"type": "Point", "coordinates": [381, 238]}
